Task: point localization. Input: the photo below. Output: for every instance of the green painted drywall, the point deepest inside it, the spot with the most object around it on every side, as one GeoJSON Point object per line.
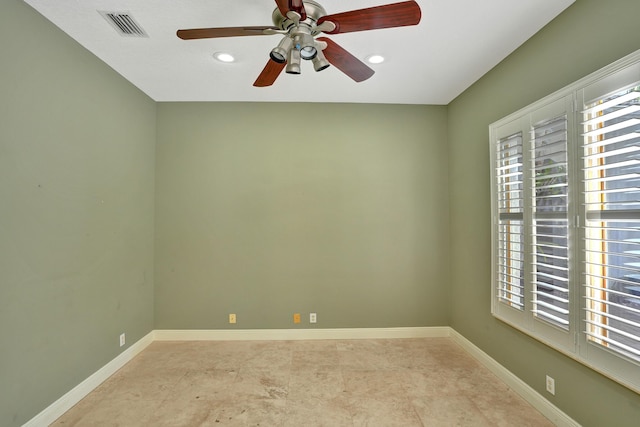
{"type": "Point", "coordinates": [350, 220]}
{"type": "Point", "coordinates": [265, 210]}
{"type": "Point", "coordinates": [76, 213]}
{"type": "Point", "coordinates": [587, 36]}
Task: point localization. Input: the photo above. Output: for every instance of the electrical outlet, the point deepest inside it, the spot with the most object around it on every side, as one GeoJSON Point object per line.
{"type": "Point", "coordinates": [296, 318]}
{"type": "Point", "coordinates": [123, 339]}
{"type": "Point", "coordinates": [313, 318]}
{"type": "Point", "coordinates": [232, 318]}
{"type": "Point", "coordinates": [551, 385]}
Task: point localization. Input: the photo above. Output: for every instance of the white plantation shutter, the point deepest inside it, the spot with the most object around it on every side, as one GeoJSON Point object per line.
{"type": "Point", "coordinates": [550, 221]}
{"type": "Point", "coordinates": [565, 178]}
{"type": "Point", "coordinates": [611, 187]}
{"type": "Point", "coordinates": [510, 198]}
{"type": "Point", "coordinates": [532, 233]}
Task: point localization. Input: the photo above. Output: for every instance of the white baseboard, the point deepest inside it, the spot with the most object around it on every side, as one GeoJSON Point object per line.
{"type": "Point", "coordinates": [75, 395]}
{"type": "Point", "coordinates": [535, 399]}
{"type": "Point", "coordinates": [66, 402]}
{"type": "Point", "coordinates": [299, 334]}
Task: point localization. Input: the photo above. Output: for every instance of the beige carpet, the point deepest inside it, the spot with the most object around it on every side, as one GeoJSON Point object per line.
{"type": "Point", "coordinates": [391, 382]}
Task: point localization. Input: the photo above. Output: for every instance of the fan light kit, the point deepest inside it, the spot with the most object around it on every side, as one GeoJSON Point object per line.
{"type": "Point", "coordinates": [300, 22]}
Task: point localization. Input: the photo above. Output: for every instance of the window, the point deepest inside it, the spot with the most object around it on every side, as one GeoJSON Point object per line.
{"type": "Point", "coordinates": [532, 211]}
{"type": "Point", "coordinates": [566, 209]}
{"type": "Point", "coordinates": [550, 221]}
{"type": "Point", "coordinates": [511, 234]}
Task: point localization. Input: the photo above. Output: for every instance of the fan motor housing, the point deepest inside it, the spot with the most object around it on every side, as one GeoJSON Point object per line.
{"type": "Point", "coordinates": [313, 10]}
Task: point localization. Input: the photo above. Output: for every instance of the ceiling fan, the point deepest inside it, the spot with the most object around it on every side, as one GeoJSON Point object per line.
{"type": "Point", "coordinates": [300, 21]}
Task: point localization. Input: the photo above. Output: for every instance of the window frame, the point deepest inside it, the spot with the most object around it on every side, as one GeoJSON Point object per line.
{"type": "Point", "coordinates": [572, 341]}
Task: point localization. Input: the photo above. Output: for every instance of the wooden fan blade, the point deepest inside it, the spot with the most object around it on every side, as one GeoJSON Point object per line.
{"type": "Point", "coordinates": [210, 33]}
{"type": "Point", "coordinates": [297, 6]}
{"type": "Point", "coordinates": [345, 62]}
{"type": "Point", "coordinates": [284, 6]}
{"type": "Point", "coordinates": [270, 73]}
{"type": "Point", "coordinates": [292, 5]}
{"type": "Point", "coordinates": [373, 18]}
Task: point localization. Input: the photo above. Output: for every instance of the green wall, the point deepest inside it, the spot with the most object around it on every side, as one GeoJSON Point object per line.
{"type": "Point", "coordinates": [76, 213]}
{"type": "Point", "coordinates": [589, 35]}
{"type": "Point", "coordinates": [354, 214]}
{"type": "Point", "coordinates": [265, 210]}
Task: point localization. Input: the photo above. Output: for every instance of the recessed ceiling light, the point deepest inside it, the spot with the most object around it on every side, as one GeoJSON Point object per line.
{"type": "Point", "coordinates": [224, 57]}
{"type": "Point", "coordinates": [375, 59]}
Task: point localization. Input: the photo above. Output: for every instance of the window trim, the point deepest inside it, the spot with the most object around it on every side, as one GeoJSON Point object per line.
{"type": "Point", "coordinates": [572, 342]}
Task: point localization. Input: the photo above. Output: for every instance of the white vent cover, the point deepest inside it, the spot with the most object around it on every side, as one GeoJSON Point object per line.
{"type": "Point", "coordinates": [124, 24]}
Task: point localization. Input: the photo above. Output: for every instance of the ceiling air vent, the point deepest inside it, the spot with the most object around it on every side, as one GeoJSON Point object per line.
{"type": "Point", "coordinates": [124, 24]}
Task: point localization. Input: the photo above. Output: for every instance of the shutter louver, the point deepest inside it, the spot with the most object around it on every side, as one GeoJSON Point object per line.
{"type": "Point", "coordinates": [510, 199]}
{"type": "Point", "coordinates": [550, 222]}
{"type": "Point", "coordinates": [612, 230]}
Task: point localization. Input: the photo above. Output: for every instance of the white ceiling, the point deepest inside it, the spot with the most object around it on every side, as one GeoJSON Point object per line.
{"type": "Point", "coordinates": [456, 42]}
